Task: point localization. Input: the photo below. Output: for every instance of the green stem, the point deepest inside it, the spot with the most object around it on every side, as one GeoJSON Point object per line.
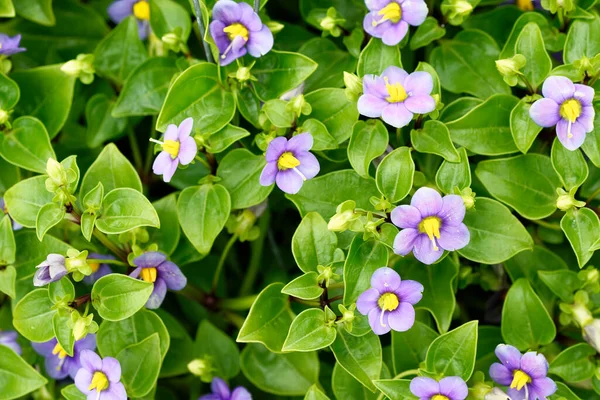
{"type": "Point", "coordinates": [548, 225]}
{"type": "Point", "coordinates": [594, 79]}
{"type": "Point", "coordinates": [150, 149]}
{"type": "Point", "coordinates": [135, 148]}
{"type": "Point", "coordinates": [109, 244]}
{"type": "Point", "coordinates": [192, 293]}
{"type": "Point", "coordinates": [593, 195]}
{"type": "Point", "coordinates": [257, 247]}
{"type": "Point", "coordinates": [103, 261]}
{"type": "Point", "coordinates": [527, 84]}
{"type": "Point", "coordinates": [256, 6]}
{"type": "Point", "coordinates": [234, 318]}
{"type": "Point", "coordinates": [337, 285]}
{"type": "Point", "coordinates": [561, 19]}
{"type": "Point", "coordinates": [217, 275]}
{"type": "Point", "coordinates": [407, 373]}
{"type": "Point", "coordinates": [202, 30]}
{"type": "Point", "coordinates": [312, 303]}
{"type": "Point", "coordinates": [203, 162]}
{"type": "Point", "coordinates": [238, 304]}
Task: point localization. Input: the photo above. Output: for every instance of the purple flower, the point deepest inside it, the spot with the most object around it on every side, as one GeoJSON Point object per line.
{"type": "Point", "coordinates": [388, 20]}
{"type": "Point", "coordinates": [99, 378]}
{"type": "Point", "coordinates": [237, 30]}
{"type": "Point", "coordinates": [395, 95]}
{"type": "Point", "coordinates": [430, 225]}
{"type": "Point", "coordinates": [98, 270]}
{"type": "Point", "coordinates": [220, 391]}
{"type": "Point", "coordinates": [178, 148]}
{"type": "Point", "coordinates": [289, 163]}
{"type": "Point", "coordinates": [10, 45]}
{"type": "Point", "coordinates": [153, 267]}
{"type": "Point", "coordinates": [15, 225]}
{"type": "Point", "coordinates": [389, 302]}
{"type": "Point", "coordinates": [9, 339]}
{"type": "Point", "coordinates": [58, 363]}
{"type": "Point", "coordinates": [524, 374]}
{"type": "Point", "coordinates": [140, 9]}
{"type": "Point", "coordinates": [50, 270]}
{"type": "Point", "coordinates": [569, 107]}
{"type": "Point", "coordinates": [448, 388]}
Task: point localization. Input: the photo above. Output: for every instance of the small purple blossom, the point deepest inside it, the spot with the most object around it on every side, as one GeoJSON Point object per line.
{"type": "Point", "coordinates": [388, 20]}
{"type": "Point", "coordinates": [396, 96]}
{"type": "Point", "coordinates": [220, 391]}
{"type": "Point", "coordinates": [10, 45]}
{"type": "Point", "coordinates": [140, 9]}
{"type": "Point", "coordinates": [524, 374]}
{"type": "Point", "coordinates": [58, 363]}
{"type": "Point", "coordinates": [178, 148]}
{"type": "Point", "coordinates": [153, 267]}
{"type": "Point", "coordinates": [237, 30]}
{"type": "Point", "coordinates": [450, 388]}
{"type": "Point", "coordinates": [430, 225]}
{"type": "Point", "coordinates": [98, 270]}
{"type": "Point", "coordinates": [389, 302]}
{"type": "Point", "coordinates": [100, 378]}
{"type": "Point", "coordinates": [50, 270]}
{"type": "Point", "coordinates": [569, 107]}
{"type": "Point", "coordinates": [9, 339]}
{"type": "Point", "coordinates": [289, 163]}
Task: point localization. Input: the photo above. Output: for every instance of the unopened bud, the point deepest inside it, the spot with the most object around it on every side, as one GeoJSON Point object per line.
{"type": "Point", "coordinates": [82, 67]}
{"type": "Point", "coordinates": [591, 334]}
{"type": "Point", "coordinates": [274, 26]}
{"type": "Point", "coordinates": [343, 217]}
{"type": "Point", "coordinates": [243, 74]}
{"type": "Point", "coordinates": [3, 117]}
{"type": "Point", "coordinates": [456, 11]}
{"type": "Point", "coordinates": [566, 201]}
{"type": "Point", "coordinates": [202, 368]}
{"type": "Point", "coordinates": [348, 316]}
{"type": "Point", "coordinates": [354, 86]}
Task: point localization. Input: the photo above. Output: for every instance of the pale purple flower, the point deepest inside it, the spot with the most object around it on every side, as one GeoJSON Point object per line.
{"type": "Point", "coordinates": [569, 107]}
{"type": "Point", "coordinates": [430, 225]}
{"type": "Point", "coordinates": [178, 148]}
{"type": "Point", "coordinates": [289, 163]}
{"type": "Point", "coordinates": [15, 225]}
{"type": "Point", "coordinates": [237, 30]}
{"type": "Point", "coordinates": [524, 374]}
{"type": "Point", "coordinates": [153, 267]}
{"type": "Point", "coordinates": [389, 302]}
{"type": "Point", "coordinates": [10, 45]}
{"type": "Point", "coordinates": [450, 388]}
{"type": "Point", "coordinates": [396, 96]}
{"type": "Point", "coordinates": [9, 339]}
{"type": "Point", "coordinates": [220, 391]}
{"type": "Point", "coordinates": [140, 9]}
{"type": "Point", "coordinates": [388, 20]}
{"type": "Point", "coordinates": [100, 378]}
{"type": "Point", "coordinates": [98, 270]}
{"type": "Point", "coordinates": [58, 363]}
{"type": "Point", "coordinates": [50, 270]}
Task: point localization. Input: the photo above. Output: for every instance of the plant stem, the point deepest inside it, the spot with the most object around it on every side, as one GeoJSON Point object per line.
{"type": "Point", "coordinates": [334, 299]}
{"type": "Point", "coordinates": [256, 6]}
{"type": "Point", "coordinates": [593, 195]}
{"type": "Point", "coordinates": [217, 275]}
{"type": "Point", "coordinates": [135, 148]}
{"type": "Point", "coordinates": [103, 261]}
{"type": "Point", "coordinates": [312, 303]}
{"type": "Point", "coordinates": [257, 251]}
{"type": "Point", "coordinates": [337, 285]}
{"type": "Point", "coordinates": [202, 30]}
{"type": "Point", "coordinates": [203, 162]}
{"type": "Point", "coordinates": [234, 318]}
{"type": "Point", "coordinates": [407, 373]}
{"type": "Point", "coordinates": [150, 149]}
{"type": "Point", "coordinates": [238, 304]}
{"type": "Point", "coordinates": [110, 245]}
{"type": "Point", "coordinates": [548, 225]}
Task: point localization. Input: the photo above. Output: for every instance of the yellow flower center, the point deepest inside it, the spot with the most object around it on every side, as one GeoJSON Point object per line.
{"type": "Point", "coordinates": [287, 161]}
{"type": "Point", "coordinates": [431, 226]}
{"type": "Point", "coordinates": [520, 379]}
{"type": "Point", "coordinates": [149, 274]}
{"type": "Point", "coordinates": [396, 92]}
{"type": "Point", "coordinates": [388, 302]}
{"type": "Point", "coordinates": [525, 5]}
{"type": "Point", "coordinates": [235, 30]}
{"type": "Point", "coordinates": [171, 147]}
{"type": "Point", "coordinates": [99, 382]}
{"type": "Point", "coordinates": [570, 110]}
{"type": "Point", "coordinates": [439, 397]}
{"type": "Point", "coordinates": [391, 12]}
{"type": "Point", "coordinates": [141, 10]}
{"type": "Point", "coordinates": [94, 267]}
{"type": "Point", "coordinates": [60, 351]}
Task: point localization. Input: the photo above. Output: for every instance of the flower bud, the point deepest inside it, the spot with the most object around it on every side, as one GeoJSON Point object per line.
{"type": "Point", "coordinates": [298, 105]}
{"type": "Point", "coordinates": [243, 74]}
{"type": "Point", "coordinates": [566, 201]}
{"type": "Point", "coordinates": [468, 197]}
{"type": "Point", "coordinates": [274, 26]}
{"type": "Point", "coordinates": [456, 11]}
{"type": "Point", "coordinates": [202, 368]}
{"type": "Point", "coordinates": [82, 67]}
{"type": "Point", "coordinates": [348, 316]}
{"type": "Point", "coordinates": [380, 203]}
{"type": "Point", "coordinates": [496, 394]}
{"type": "Point", "coordinates": [3, 117]}
{"type": "Point", "coordinates": [371, 226]}
{"type": "Point", "coordinates": [354, 87]}
{"type": "Point", "coordinates": [76, 262]}
{"type": "Point", "coordinates": [326, 275]}
{"type": "Point", "coordinates": [591, 334]}
{"type": "Point", "coordinates": [242, 225]}
{"type": "Point", "coordinates": [343, 217]}
{"type": "Point", "coordinates": [510, 68]}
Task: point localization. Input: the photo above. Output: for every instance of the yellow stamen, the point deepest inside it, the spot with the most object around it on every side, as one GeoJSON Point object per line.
{"type": "Point", "coordinates": [391, 12]}
{"type": "Point", "coordinates": [431, 226]}
{"type": "Point", "coordinates": [235, 30]}
{"type": "Point", "coordinates": [99, 382]}
{"type": "Point", "coordinates": [287, 161]}
{"type": "Point", "coordinates": [396, 92]}
{"type": "Point", "coordinates": [171, 147]}
{"type": "Point", "coordinates": [525, 5]}
{"type": "Point", "coordinates": [60, 351]}
{"type": "Point", "coordinates": [149, 274]}
{"type": "Point", "coordinates": [570, 110]}
{"type": "Point", "coordinates": [520, 379]}
{"type": "Point", "coordinates": [94, 267]}
{"type": "Point", "coordinates": [439, 397]}
{"type": "Point", "coordinates": [388, 302]}
{"type": "Point", "coordinates": [141, 10]}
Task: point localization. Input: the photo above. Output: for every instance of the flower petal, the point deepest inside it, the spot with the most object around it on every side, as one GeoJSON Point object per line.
{"type": "Point", "coordinates": [453, 210]}
{"type": "Point", "coordinates": [545, 112]}
{"type": "Point", "coordinates": [219, 36]}
{"type": "Point", "coordinates": [385, 279]}
{"type": "Point", "coordinates": [419, 83]}
{"type": "Point", "coordinates": [143, 29]}
{"type": "Point", "coordinates": [268, 174]}
{"type": "Point", "coordinates": [112, 368]}
{"type": "Point", "coordinates": [577, 132]}
{"type": "Point", "coordinates": [395, 74]}
{"type": "Point", "coordinates": [371, 106]}
{"type": "Point", "coordinates": [558, 88]}
{"type": "Point", "coordinates": [171, 133]}
{"type": "Point", "coordinates": [375, 322]}
{"type": "Point", "coordinates": [420, 104]}
{"type": "Point", "coordinates": [55, 368]}
{"type": "Point", "coordinates": [394, 35]}
{"type": "Point", "coordinates": [397, 115]}
{"type": "Point", "coordinates": [83, 379]}
{"type": "Point", "coordinates": [454, 237]}
{"type": "Point", "coordinates": [425, 252]}
{"type": "Point", "coordinates": [542, 387]}
{"type": "Point", "coordinates": [454, 388]}
{"type": "Point", "coordinates": [249, 18]}
{"type": "Point", "coordinates": [586, 119]}
{"type": "Point", "coordinates": [158, 294]}
{"type": "Point", "coordinates": [185, 128]}
{"type": "Point", "coordinates": [90, 360]}
{"type": "Point", "coordinates": [424, 387]}
{"type": "Point", "coordinates": [232, 55]}
{"type": "Point", "coordinates": [309, 165]}
{"type": "Point", "coordinates": [44, 348]}
{"type": "Point", "coordinates": [414, 12]}
{"type": "Point", "coordinates": [509, 355]}
{"type": "Point", "coordinates": [375, 85]}
{"type": "Point", "coordinates": [172, 275]}
{"type": "Point", "coordinates": [405, 216]}
{"type": "Point", "coordinates": [88, 342]}
{"type": "Point", "coordinates": [240, 393]}
{"type": "Point", "coordinates": [584, 93]}
{"type": "Point", "coordinates": [227, 11]}
{"type": "Point", "coordinates": [187, 150]}
{"type": "Point", "coordinates": [410, 292]}
{"type": "Point", "coordinates": [379, 29]}
{"type": "Point", "coordinates": [428, 201]}
{"type": "Point", "coordinates": [376, 5]}
{"type": "Point", "coordinates": [260, 43]}
{"type": "Point", "coordinates": [276, 148]}
{"type": "Point", "coordinates": [534, 364]}
{"type": "Point", "coordinates": [116, 391]}
{"type": "Point", "coordinates": [500, 374]}
{"type": "Point", "coordinates": [367, 301]}
{"type": "Point", "coordinates": [218, 386]}
{"type": "Point", "coordinates": [150, 259]}
{"type": "Point", "coordinates": [300, 143]}
{"type": "Point", "coordinates": [404, 242]}
{"type": "Point", "coordinates": [289, 181]}
{"type": "Point", "coordinates": [402, 318]}
{"type": "Point", "coordinates": [119, 10]}
{"type": "Point", "coordinates": [518, 394]}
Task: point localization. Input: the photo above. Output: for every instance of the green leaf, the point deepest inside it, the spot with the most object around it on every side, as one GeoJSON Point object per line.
{"type": "Point", "coordinates": [61, 291]}
{"type": "Point", "coordinates": [17, 376]}
{"type": "Point", "coordinates": [8, 277]}
{"type": "Point", "coordinates": [453, 353]}
{"type": "Point", "coordinates": [331, 61]}
{"type": "Point", "coordinates": [434, 138]}
{"type": "Point", "coordinates": [248, 104]}
{"type": "Point", "coordinates": [525, 322]}
{"type": "Point", "coordinates": [496, 234]}
{"type": "Point", "coordinates": [9, 93]}
{"type": "Point", "coordinates": [38, 11]}
{"type": "Point", "coordinates": [25, 199]}
{"type": "Point", "coordinates": [581, 228]}
{"type": "Point", "coordinates": [304, 287]}
{"type": "Point", "coordinates": [314, 393]}
{"type": "Point", "coordinates": [269, 319]}
{"type": "Point", "coordinates": [368, 141]}
{"type": "Point", "coordinates": [7, 10]}
{"type": "Point", "coordinates": [118, 297]}
{"type": "Point", "coordinates": [426, 33]}
{"type": "Point", "coordinates": [552, 38]}
{"type": "Point", "coordinates": [346, 387]}
{"type": "Point", "coordinates": [32, 316]}
{"type": "Point", "coordinates": [397, 389]}
{"type": "Point", "coordinates": [221, 140]}
{"type": "Point", "coordinates": [49, 215]}
{"type": "Point", "coordinates": [569, 165]}
{"type": "Point", "coordinates": [140, 365]}
{"type": "Point", "coordinates": [564, 392]}
{"type": "Point", "coordinates": [71, 392]}
{"type": "Point", "coordinates": [278, 113]}
{"type": "Point", "coordinates": [582, 40]}
{"type": "Point", "coordinates": [530, 43]}
{"type": "Point", "coordinates": [62, 332]}
{"type": "Point", "coordinates": [181, 347]}
{"type": "Point", "coordinates": [395, 173]}
{"type": "Point", "coordinates": [167, 16]}
{"type": "Point", "coordinates": [101, 125]}
{"type": "Point", "coordinates": [488, 338]}
{"type": "Point", "coordinates": [364, 258]}
{"type": "Point", "coordinates": [309, 332]}
{"type": "Point", "coordinates": [409, 348]}
{"type": "Point", "coordinates": [533, 195]}
{"type": "Point", "coordinates": [575, 363]}
{"type": "Point", "coordinates": [523, 129]}
{"type": "Point", "coordinates": [459, 108]}
{"type": "Point", "coordinates": [451, 175]}
{"type": "Point", "coordinates": [8, 248]}
{"type": "Point", "coordinates": [334, 110]}
{"type": "Point", "coordinates": [562, 283]}
{"type": "Point", "coordinates": [376, 57]}
{"type": "Point", "coordinates": [321, 137]}
{"type": "Point", "coordinates": [167, 237]}
{"type": "Point", "coordinates": [124, 209]}
{"type": "Point", "coordinates": [313, 244]}
{"type": "Point", "coordinates": [120, 52]}
{"type": "Point", "coordinates": [214, 344]}
{"type": "Point", "coordinates": [359, 356]}
{"type": "Point", "coordinates": [591, 145]}
{"type": "Point", "coordinates": [27, 145]}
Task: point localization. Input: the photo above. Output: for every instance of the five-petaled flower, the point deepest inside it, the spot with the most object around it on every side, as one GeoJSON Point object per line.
{"type": "Point", "coordinates": [430, 225]}
{"type": "Point", "coordinates": [153, 267]}
{"type": "Point", "coordinates": [9, 339]}
{"type": "Point", "coordinates": [58, 363]}
{"type": "Point", "coordinates": [569, 107]}
{"type": "Point", "coordinates": [388, 20]}
{"type": "Point", "coordinates": [524, 374]}
{"type": "Point", "coordinates": [448, 388]}
{"type": "Point", "coordinates": [396, 96]}
{"type": "Point", "coordinates": [178, 147]}
{"type": "Point", "coordinates": [140, 9]}
{"type": "Point", "coordinates": [100, 379]}
{"type": "Point", "coordinates": [220, 391]}
{"type": "Point", "coordinates": [237, 30]}
{"type": "Point", "coordinates": [52, 269]}
{"type": "Point", "coordinates": [10, 45]}
{"type": "Point", "coordinates": [98, 269]}
{"type": "Point", "coordinates": [389, 302]}
{"type": "Point", "coordinates": [289, 163]}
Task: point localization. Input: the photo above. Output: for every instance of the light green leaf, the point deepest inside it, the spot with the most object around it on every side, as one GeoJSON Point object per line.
{"type": "Point", "coordinates": [71, 392]}
{"type": "Point", "coordinates": [434, 138]}
{"type": "Point", "coordinates": [569, 165]}
{"type": "Point", "coordinates": [32, 316]}
{"type": "Point", "coordinates": [313, 244]}
{"type": "Point", "coordinates": [395, 173]}
{"type": "Point", "coordinates": [346, 387]}
{"type": "Point", "coordinates": [49, 215]}
{"type": "Point", "coordinates": [334, 110]}
{"type": "Point", "coordinates": [575, 363]}
{"type": "Point", "coordinates": [314, 393]}
{"type": "Point", "coordinates": [451, 175]}
{"type": "Point", "coordinates": [409, 348]}
{"type": "Point", "coordinates": [368, 141]}
{"type": "Point", "coordinates": [25, 199]}
{"type": "Point", "coordinates": [523, 129]}
{"type": "Point", "coordinates": [221, 140]}
{"type": "Point", "coordinates": [530, 44]}
{"type": "Point", "coordinates": [331, 61]}
{"type": "Point", "coordinates": [214, 344]}
{"type": "Point", "coordinates": [426, 33]}
{"type": "Point", "coordinates": [581, 228]}
{"type": "Point", "coordinates": [304, 287]}
{"type": "Point", "coordinates": [8, 277]}
{"type": "Point", "coordinates": [359, 356]}
{"type": "Point", "coordinates": [124, 209]}
{"type": "Point", "coordinates": [397, 389]}
{"type": "Point", "coordinates": [562, 283]}
{"type": "Point", "coordinates": [321, 137]}
{"type": "Point", "coordinates": [8, 248]}
{"type": "Point", "coordinates": [364, 258]}
{"type": "Point", "coordinates": [27, 145]}
{"type": "Point", "coordinates": [167, 16]}
{"type": "Point", "coordinates": [140, 365]}
{"type": "Point", "coordinates": [453, 353]}
{"type": "Point", "coordinates": [61, 291]}
{"type": "Point", "coordinates": [101, 125]}
{"type": "Point", "coordinates": [17, 376]}
{"type": "Point", "coordinates": [582, 40]}
{"type": "Point", "coordinates": [309, 332]}
{"type": "Point", "coordinates": [9, 91]}
{"type": "Point", "coordinates": [376, 57]}
{"type": "Point", "coordinates": [38, 11]}
{"type": "Point", "coordinates": [7, 10]}
{"type": "Point", "coordinates": [167, 237]}
{"type": "Point", "coordinates": [62, 332]}
{"type": "Point", "coordinates": [278, 113]}
{"type": "Point", "coordinates": [118, 297]}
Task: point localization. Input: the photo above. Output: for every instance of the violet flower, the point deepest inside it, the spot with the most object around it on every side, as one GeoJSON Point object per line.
{"type": "Point", "coordinates": [569, 107]}
{"type": "Point", "coordinates": [58, 363]}
{"type": "Point", "coordinates": [220, 391]}
{"type": "Point", "coordinates": [289, 163]}
{"type": "Point", "coordinates": [430, 225]}
{"type": "Point", "coordinates": [237, 30]}
{"type": "Point", "coordinates": [50, 270]}
{"type": "Point", "coordinates": [389, 302]}
{"type": "Point", "coordinates": [15, 225]}
{"type": "Point", "coordinates": [10, 45]}
{"type": "Point", "coordinates": [448, 388]}
{"type": "Point", "coordinates": [100, 378]}
{"type": "Point", "coordinates": [388, 20]}
{"type": "Point", "coordinates": [153, 267]}
{"type": "Point", "coordinates": [98, 270]}
{"type": "Point", "coordinates": [9, 339]}
{"type": "Point", "coordinates": [524, 374]}
{"type": "Point", "coordinates": [396, 96]}
{"type": "Point", "coordinates": [140, 9]}
{"type": "Point", "coordinates": [178, 148]}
